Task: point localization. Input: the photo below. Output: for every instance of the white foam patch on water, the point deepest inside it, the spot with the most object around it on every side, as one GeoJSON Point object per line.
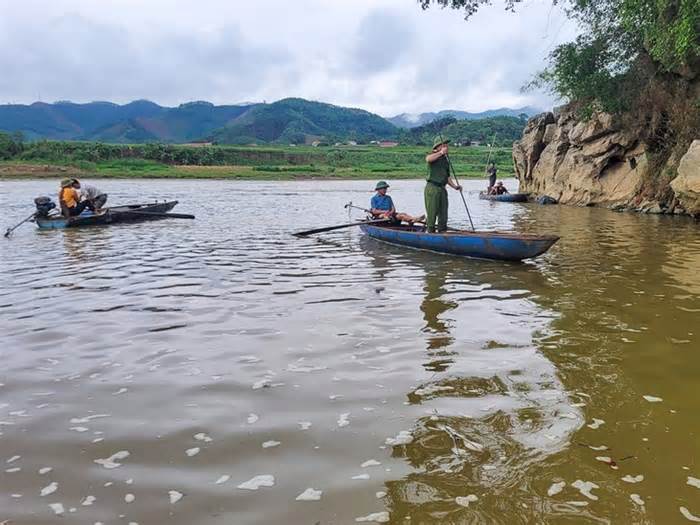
{"type": "Point", "coordinates": [556, 488]}
{"type": "Point", "coordinates": [112, 461]}
{"type": "Point", "coordinates": [333, 397]}
{"type": "Point", "coordinates": [203, 437]}
{"type": "Point", "coordinates": [585, 488]}
{"type": "Point", "coordinates": [13, 469]}
{"type": "Point", "coordinates": [305, 425]}
{"type": "Point", "coordinates": [248, 359]}
{"type": "Point", "coordinates": [79, 429]}
{"type": "Point", "coordinates": [129, 498]}
{"type": "Point", "coordinates": [693, 482]}
{"type": "Point", "coordinates": [598, 448]}
{"type": "Point", "coordinates": [380, 494]}
{"type": "Point", "coordinates": [370, 463]}
{"type": "Point", "coordinates": [402, 438]}
{"type": "Point", "coordinates": [376, 517]}
{"type": "Point", "coordinates": [252, 418]}
{"type": "Point", "coordinates": [86, 419]}
{"type": "Point", "coordinates": [653, 399]}
{"type": "Point", "coordinates": [89, 500]}
{"type": "Point", "coordinates": [597, 423]}
{"type": "Point", "coordinates": [432, 389]}
{"type": "Point", "coordinates": [222, 479]}
{"type": "Point", "coordinates": [13, 459]}
{"type": "Point", "coordinates": [633, 479]}
{"type": "Point", "coordinates": [57, 508]}
{"type": "Point", "coordinates": [192, 451]}
{"type": "Point", "coordinates": [175, 496]}
{"type": "Point", "coordinates": [261, 384]}
{"type": "Point", "coordinates": [578, 503]}
{"type": "Point", "coordinates": [262, 480]}
{"type": "Point", "coordinates": [464, 501]}
{"type": "Point", "coordinates": [120, 391]}
{"type": "Point", "coordinates": [49, 489]}
{"type": "Point", "coordinates": [361, 476]}
{"type": "Point", "coordinates": [129, 481]}
{"type": "Point", "coordinates": [310, 495]}
{"type": "Point", "coordinates": [343, 419]}
{"type": "Point", "coordinates": [305, 368]}
{"type": "Point", "coordinates": [637, 499]}
{"type": "Point", "coordinates": [271, 444]}
{"type": "Point", "coordinates": [689, 515]}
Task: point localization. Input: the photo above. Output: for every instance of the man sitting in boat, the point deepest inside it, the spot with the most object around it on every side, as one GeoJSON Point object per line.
{"type": "Point", "coordinates": [94, 198]}
{"type": "Point", "coordinates": [499, 189]}
{"type": "Point", "coordinates": [69, 199]}
{"type": "Point", "coordinates": [382, 207]}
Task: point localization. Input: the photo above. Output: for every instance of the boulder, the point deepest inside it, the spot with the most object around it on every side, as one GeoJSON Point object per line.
{"type": "Point", "coordinates": [686, 185]}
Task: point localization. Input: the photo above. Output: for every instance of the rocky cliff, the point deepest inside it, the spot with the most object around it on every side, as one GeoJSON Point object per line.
{"type": "Point", "coordinates": [610, 161]}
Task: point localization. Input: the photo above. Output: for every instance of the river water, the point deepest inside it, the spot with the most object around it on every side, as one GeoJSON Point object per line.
{"type": "Point", "coordinates": [157, 373]}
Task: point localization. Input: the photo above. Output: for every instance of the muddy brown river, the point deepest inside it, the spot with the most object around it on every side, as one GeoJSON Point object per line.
{"type": "Point", "coordinates": [221, 371]}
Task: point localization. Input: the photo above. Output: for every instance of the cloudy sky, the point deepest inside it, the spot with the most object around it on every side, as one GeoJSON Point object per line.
{"type": "Point", "coordinates": [386, 56]}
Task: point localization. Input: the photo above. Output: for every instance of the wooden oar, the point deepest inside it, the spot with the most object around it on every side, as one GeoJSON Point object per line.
{"type": "Point", "coordinates": [338, 227]}
{"type": "Point", "coordinates": [10, 230]}
{"type": "Point", "coordinates": [159, 214]}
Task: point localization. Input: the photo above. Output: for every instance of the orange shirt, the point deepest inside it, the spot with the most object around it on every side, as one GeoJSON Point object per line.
{"type": "Point", "coordinates": [68, 197]}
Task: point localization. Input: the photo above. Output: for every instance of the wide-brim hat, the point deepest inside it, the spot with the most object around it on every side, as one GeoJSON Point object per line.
{"type": "Point", "coordinates": [381, 185]}
{"type": "Point", "coordinates": [66, 182]}
{"type": "Point", "coordinates": [439, 141]}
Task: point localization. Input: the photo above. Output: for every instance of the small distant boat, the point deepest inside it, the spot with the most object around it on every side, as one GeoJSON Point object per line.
{"type": "Point", "coordinates": [127, 213]}
{"type": "Point", "coordinates": [503, 246]}
{"type": "Point", "coordinates": [505, 197]}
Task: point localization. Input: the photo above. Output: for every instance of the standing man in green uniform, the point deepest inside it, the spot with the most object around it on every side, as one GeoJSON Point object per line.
{"type": "Point", "coordinates": [435, 193]}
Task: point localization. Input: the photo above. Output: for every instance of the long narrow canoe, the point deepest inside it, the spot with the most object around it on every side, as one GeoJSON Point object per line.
{"type": "Point", "coordinates": [504, 246]}
{"type": "Point", "coordinates": [505, 197]}
{"type": "Point", "coordinates": [128, 213]}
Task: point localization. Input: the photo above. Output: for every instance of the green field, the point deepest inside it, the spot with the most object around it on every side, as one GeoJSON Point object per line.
{"type": "Point", "coordinates": [240, 162]}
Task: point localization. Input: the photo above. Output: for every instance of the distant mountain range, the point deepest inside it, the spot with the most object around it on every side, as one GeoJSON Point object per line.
{"type": "Point", "coordinates": [413, 120]}
{"type": "Point", "coordinates": [290, 120]}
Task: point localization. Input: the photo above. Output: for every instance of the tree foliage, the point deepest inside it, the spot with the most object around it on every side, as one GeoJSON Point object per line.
{"type": "Point", "coordinates": [607, 64]}
{"type": "Point", "coordinates": [504, 129]}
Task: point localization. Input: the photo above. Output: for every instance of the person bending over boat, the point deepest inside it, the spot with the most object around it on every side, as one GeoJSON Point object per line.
{"type": "Point", "coordinates": [382, 207]}
{"type": "Point", "coordinates": [69, 199]}
{"type": "Point", "coordinates": [498, 189]}
{"type": "Point", "coordinates": [94, 198]}
{"type": "Point", "coordinates": [435, 194]}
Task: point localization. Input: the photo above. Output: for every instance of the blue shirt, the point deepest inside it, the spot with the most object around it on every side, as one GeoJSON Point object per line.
{"type": "Point", "coordinates": [381, 202]}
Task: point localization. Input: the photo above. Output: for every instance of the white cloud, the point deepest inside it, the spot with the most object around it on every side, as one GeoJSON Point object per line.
{"type": "Point", "coordinates": [386, 56]}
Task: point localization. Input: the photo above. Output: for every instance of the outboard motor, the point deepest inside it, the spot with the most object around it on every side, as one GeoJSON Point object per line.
{"type": "Point", "coordinates": [43, 206]}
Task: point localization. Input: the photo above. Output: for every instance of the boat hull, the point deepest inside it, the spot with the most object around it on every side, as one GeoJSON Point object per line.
{"type": "Point", "coordinates": [113, 215]}
{"type": "Point", "coordinates": [506, 197]}
{"type": "Point", "coordinates": [482, 245]}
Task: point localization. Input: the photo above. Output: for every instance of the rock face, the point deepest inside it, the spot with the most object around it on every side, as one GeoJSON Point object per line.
{"type": "Point", "coordinates": [600, 162]}
{"type": "Point", "coordinates": [687, 184]}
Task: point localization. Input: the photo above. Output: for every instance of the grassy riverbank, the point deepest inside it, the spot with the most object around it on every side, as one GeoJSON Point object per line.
{"type": "Point", "coordinates": [55, 159]}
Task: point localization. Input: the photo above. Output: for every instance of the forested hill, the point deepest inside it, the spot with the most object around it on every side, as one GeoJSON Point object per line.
{"type": "Point", "coordinates": [413, 120]}
{"type": "Point", "coordinates": [287, 121]}
{"type": "Point", "coordinates": [138, 121]}
{"type": "Point", "coordinates": [504, 129]}
{"type": "Point", "coordinates": [298, 121]}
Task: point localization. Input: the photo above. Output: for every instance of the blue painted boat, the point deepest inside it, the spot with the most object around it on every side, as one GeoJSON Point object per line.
{"type": "Point", "coordinates": [505, 197]}
{"type": "Point", "coordinates": [504, 246]}
{"type": "Point", "coordinates": [116, 214]}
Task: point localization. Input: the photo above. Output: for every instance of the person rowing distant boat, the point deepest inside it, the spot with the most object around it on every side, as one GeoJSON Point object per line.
{"type": "Point", "coordinates": [382, 207]}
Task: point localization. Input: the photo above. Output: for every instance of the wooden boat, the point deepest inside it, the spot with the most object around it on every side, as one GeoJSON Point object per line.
{"type": "Point", "coordinates": [505, 197]}
{"type": "Point", "coordinates": [116, 214]}
{"type": "Point", "coordinates": [504, 246]}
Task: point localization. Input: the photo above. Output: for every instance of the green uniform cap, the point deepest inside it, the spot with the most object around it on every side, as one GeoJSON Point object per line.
{"type": "Point", "coordinates": [380, 185]}
{"type": "Point", "coordinates": [66, 182]}
{"type": "Point", "coordinates": [439, 141]}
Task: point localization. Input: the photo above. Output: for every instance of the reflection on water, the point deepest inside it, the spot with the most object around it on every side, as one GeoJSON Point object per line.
{"type": "Point", "coordinates": [217, 371]}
